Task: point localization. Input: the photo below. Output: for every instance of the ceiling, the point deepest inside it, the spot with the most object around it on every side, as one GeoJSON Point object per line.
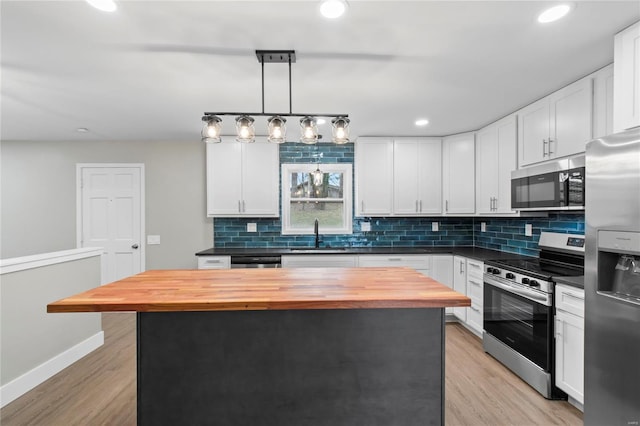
{"type": "Point", "coordinates": [149, 70]}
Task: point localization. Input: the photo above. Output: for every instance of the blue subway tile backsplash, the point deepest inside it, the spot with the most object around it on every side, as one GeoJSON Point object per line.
{"type": "Point", "coordinates": [505, 234]}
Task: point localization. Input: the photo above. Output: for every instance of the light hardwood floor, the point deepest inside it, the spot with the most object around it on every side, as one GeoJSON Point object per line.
{"type": "Point", "coordinates": [100, 389]}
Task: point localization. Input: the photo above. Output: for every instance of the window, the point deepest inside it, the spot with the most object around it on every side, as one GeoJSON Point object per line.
{"type": "Point", "coordinates": [307, 196]}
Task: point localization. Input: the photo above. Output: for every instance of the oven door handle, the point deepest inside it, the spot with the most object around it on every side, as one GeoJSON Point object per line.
{"type": "Point", "coordinates": [540, 298]}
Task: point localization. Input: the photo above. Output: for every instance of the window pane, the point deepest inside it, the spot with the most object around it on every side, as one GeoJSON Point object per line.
{"type": "Point", "coordinates": [329, 214]}
{"type": "Point", "coordinates": [309, 185]}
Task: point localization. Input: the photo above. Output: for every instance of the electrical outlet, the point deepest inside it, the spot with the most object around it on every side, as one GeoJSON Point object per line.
{"type": "Point", "coordinates": [153, 239]}
{"type": "Point", "coordinates": [365, 226]}
{"type": "Point", "coordinates": [528, 229]}
{"type": "Point", "coordinates": [252, 227]}
{"type": "Point", "coordinates": [483, 226]}
{"type": "Point", "coordinates": [435, 226]}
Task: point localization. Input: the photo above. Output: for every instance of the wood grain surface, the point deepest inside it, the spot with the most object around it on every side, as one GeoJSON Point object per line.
{"type": "Point", "coordinates": [258, 289]}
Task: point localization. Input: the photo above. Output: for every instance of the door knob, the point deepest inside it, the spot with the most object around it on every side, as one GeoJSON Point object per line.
{"type": "Point", "coordinates": [135, 246]}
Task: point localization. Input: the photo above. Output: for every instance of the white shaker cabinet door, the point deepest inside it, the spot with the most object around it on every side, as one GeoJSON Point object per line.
{"type": "Point", "coordinates": [533, 128]}
{"type": "Point", "coordinates": [507, 141]}
{"type": "Point", "coordinates": [374, 176]}
{"type": "Point", "coordinates": [459, 189]}
{"type": "Point", "coordinates": [260, 174]}
{"type": "Point", "coordinates": [224, 179]}
{"type": "Point", "coordinates": [487, 172]}
{"type": "Point", "coordinates": [626, 89]}
{"type": "Point", "coordinates": [570, 112]}
{"type": "Point", "coordinates": [430, 176]}
{"type": "Point", "coordinates": [406, 164]}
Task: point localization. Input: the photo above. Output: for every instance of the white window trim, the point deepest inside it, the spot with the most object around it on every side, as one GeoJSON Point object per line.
{"type": "Point", "coordinates": [346, 169]}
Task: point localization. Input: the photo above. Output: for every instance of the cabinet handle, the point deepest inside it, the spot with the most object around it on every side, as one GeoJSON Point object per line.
{"type": "Point", "coordinates": [544, 151]}
{"type": "Point", "coordinates": [474, 309]}
{"type": "Point", "coordinates": [549, 150]}
{"type": "Point", "coordinates": [239, 207]}
{"type": "Point", "coordinates": [213, 261]}
{"type": "Point", "coordinates": [244, 209]}
{"type": "Point", "coordinates": [362, 206]}
{"type": "Point", "coordinates": [446, 206]}
{"type": "Point", "coordinates": [461, 271]}
{"type": "Point", "coordinates": [421, 205]}
{"type": "Point", "coordinates": [573, 296]}
{"type": "Point", "coordinates": [474, 283]}
{"type": "Point", "coordinates": [474, 265]}
{"type": "Point", "coordinates": [394, 259]}
{"type": "Point", "coordinates": [495, 204]}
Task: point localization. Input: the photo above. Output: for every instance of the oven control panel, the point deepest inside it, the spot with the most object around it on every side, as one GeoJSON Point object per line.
{"type": "Point", "coordinates": [521, 279]}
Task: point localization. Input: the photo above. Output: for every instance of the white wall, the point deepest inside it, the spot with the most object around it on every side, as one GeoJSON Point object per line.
{"type": "Point", "coordinates": [38, 196]}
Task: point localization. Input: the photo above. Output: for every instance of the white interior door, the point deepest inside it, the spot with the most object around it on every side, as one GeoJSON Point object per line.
{"type": "Point", "coordinates": [111, 216]}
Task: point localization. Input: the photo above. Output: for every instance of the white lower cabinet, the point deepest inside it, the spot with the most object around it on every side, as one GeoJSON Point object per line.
{"type": "Point", "coordinates": [214, 262]}
{"type": "Point", "coordinates": [569, 334]}
{"type": "Point", "coordinates": [460, 284]}
{"type": "Point", "coordinates": [320, 261]}
{"type": "Point", "coordinates": [420, 262]}
{"type": "Point", "coordinates": [442, 271]}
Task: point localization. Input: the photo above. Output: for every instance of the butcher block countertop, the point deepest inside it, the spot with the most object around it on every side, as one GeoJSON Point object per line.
{"type": "Point", "coordinates": [262, 289]}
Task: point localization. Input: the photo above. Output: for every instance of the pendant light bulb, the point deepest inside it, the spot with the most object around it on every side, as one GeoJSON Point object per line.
{"type": "Point", "coordinates": [277, 129]}
{"type": "Point", "coordinates": [318, 176]}
{"type": "Point", "coordinates": [212, 129]}
{"type": "Point", "coordinates": [309, 130]}
{"type": "Point", "coordinates": [246, 132]}
{"type": "Point", "coordinates": [340, 130]}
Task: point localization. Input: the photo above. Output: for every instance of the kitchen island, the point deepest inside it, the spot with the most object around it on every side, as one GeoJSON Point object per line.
{"type": "Point", "coordinates": [284, 346]}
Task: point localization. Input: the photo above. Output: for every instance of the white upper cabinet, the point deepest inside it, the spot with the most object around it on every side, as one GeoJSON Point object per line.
{"type": "Point", "coordinates": [495, 159]}
{"type": "Point", "coordinates": [626, 83]}
{"type": "Point", "coordinates": [417, 176]}
{"type": "Point", "coordinates": [374, 176]}
{"type": "Point", "coordinates": [242, 179]}
{"type": "Point", "coordinates": [458, 177]}
{"type": "Point", "coordinates": [557, 125]}
{"type": "Point", "coordinates": [603, 102]}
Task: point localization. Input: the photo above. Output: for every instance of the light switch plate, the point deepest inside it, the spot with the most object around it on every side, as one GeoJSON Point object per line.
{"type": "Point", "coordinates": [365, 226]}
{"type": "Point", "coordinates": [483, 226]}
{"type": "Point", "coordinates": [153, 239]}
{"type": "Point", "coordinates": [252, 227]}
{"type": "Point", "coordinates": [435, 226]}
{"type": "Point", "coordinates": [528, 229]}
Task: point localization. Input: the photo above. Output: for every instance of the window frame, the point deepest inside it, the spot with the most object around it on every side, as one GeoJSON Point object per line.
{"type": "Point", "coordinates": [347, 196]}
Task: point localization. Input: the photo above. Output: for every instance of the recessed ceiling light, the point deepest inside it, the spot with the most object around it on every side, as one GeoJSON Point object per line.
{"type": "Point", "coordinates": [333, 8]}
{"type": "Point", "coordinates": [103, 5]}
{"type": "Point", "coordinates": [422, 122]}
{"type": "Point", "coordinates": [554, 13]}
{"type": "Point", "coordinates": [82, 130]}
{"type": "Point", "coordinates": [321, 121]}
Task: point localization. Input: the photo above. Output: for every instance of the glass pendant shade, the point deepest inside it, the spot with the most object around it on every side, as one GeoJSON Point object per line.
{"type": "Point", "coordinates": [318, 176]}
{"type": "Point", "coordinates": [277, 129]}
{"type": "Point", "coordinates": [309, 130]}
{"type": "Point", "coordinates": [246, 132]}
{"type": "Point", "coordinates": [212, 129]}
{"type": "Point", "coordinates": [340, 130]}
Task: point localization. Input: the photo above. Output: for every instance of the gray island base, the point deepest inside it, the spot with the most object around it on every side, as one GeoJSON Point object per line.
{"type": "Point", "coordinates": [333, 367]}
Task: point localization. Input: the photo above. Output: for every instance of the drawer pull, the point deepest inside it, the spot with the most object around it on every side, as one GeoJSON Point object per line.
{"type": "Point", "coordinates": [213, 261]}
{"type": "Point", "coordinates": [475, 265]}
{"type": "Point", "coordinates": [474, 309]}
{"type": "Point", "coordinates": [394, 259]}
{"type": "Point", "coordinates": [474, 283]}
{"type": "Point", "coordinates": [573, 296]}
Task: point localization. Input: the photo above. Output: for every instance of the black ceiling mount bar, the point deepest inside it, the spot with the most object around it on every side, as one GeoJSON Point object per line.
{"type": "Point", "coordinates": [276, 56]}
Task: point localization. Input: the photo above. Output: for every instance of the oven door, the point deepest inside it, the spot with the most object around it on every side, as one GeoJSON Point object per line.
{"type": "Point", "coordinates": [520, 317]}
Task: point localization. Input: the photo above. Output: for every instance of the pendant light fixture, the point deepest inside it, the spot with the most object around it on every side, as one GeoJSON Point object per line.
{"type": "Point", "coordinates": [277, 129]}
{"type": "Point", "coordinates": [212, 129]}
{"type": "Point", "coordinates": [276, 124]}
{"type": "Point", "coordinates": [340, 130]}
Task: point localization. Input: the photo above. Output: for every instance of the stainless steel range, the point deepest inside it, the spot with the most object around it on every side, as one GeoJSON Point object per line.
{"type": "Point", "coordinates": [519, 307]}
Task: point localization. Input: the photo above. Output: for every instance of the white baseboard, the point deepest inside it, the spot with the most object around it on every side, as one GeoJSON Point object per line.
{"type": "Point", "coordinates": [29, 380]}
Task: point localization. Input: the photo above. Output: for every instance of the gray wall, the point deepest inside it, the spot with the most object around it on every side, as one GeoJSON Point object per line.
{"type": "Point", "coordinates": [31, 336]}
{"type": "Point", "coordinates": [38, 196]}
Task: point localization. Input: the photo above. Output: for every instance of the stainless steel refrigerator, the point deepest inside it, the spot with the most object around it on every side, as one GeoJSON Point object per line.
{"type": "Point", "coordinates": [612, 280]}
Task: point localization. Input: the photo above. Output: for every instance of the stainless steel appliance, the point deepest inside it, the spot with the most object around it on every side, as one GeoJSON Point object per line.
{"type": "Point", "coordinates": [612, 281]}
{"type": "Point", "coordinates": [244, 262]}
{"type": "Point", "coordinates": [558, 185]}
{"type": "Point", "coordinates": [518, 308]}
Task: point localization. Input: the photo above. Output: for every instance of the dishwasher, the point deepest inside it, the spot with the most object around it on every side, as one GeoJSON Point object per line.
{"type": "Point", "coordinates": [246, 262]}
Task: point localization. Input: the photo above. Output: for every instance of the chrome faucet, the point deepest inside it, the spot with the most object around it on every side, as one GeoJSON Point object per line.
{"type": "Point", "coordinates": [315, 231]}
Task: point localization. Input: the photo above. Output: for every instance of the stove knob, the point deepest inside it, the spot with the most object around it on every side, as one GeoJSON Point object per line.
{"type": "Point", "coordinates": [525, 281]}
{"type": "Point", "coordinates": [534, 283]}
{"type": "Point", "coordinates": [495, 271]}
{"type": "Point", "coordinates": [510, 276]}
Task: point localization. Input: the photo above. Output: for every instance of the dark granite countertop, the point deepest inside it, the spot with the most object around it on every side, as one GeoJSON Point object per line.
{"type": "Point", "coordinates": [572, 281]}
{"type": "Point", "coordinates": [477, 253]}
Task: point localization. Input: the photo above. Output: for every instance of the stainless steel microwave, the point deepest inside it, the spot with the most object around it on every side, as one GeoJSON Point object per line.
{"type": "Point", "coordinates": [558, 185]}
